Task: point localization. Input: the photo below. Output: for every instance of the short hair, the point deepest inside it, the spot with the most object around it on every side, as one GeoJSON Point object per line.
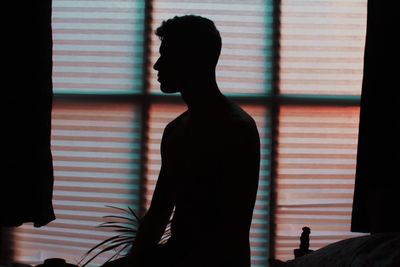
{"type": "Point", "coordinates": [193, 34]}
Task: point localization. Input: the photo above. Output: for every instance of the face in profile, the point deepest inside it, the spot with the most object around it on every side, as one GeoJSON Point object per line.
{"type": "Point", "coordinates": [170, 69]}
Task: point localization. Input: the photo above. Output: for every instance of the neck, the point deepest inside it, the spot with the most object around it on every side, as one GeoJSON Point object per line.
{"type": "Point", "coordinates": [202, 97]}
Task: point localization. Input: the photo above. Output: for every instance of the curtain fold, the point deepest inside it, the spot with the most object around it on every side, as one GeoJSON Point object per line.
{"type": "Point", "coordinates": [377, 188]}
{"type": "Point", "coordinates": [27, 172]}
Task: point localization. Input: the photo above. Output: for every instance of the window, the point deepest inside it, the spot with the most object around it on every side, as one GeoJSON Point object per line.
{"type": "Point", "coordinates": [321, 56]}
{"type": "Point", "coordinates": [295, 66]}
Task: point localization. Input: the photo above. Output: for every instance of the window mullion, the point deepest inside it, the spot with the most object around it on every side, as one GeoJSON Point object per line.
{"type": "Point", "coordinates": [145, 106]}
{"type": "Point", "coordinates": [275, 107]}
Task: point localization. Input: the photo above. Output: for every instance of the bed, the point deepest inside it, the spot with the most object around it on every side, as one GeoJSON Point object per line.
{"type": "Point", "coordinates": [376, 250]}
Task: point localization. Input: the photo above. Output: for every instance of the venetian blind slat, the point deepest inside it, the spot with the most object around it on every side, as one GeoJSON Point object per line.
{"type": "Point", "coordinates": [86, 179]}
{"type": "Point", "coordinates": [245, 64]}
{"type": "Point", "coordinates": [98, 46]}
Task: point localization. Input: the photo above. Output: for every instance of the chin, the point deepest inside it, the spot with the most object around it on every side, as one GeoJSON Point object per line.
{"type": "Point", "coordinates": [168, 89]}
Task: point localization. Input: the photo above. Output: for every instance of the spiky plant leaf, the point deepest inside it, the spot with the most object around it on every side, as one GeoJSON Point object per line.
{"type": "Point", "coordinates": [125, 226]}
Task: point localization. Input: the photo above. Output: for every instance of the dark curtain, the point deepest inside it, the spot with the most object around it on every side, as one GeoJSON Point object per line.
{"type": "Point", "coordinates": [377, 189]}
{"type": "Point", "coordinates": [26, 184]}
{"type": "Point", "coordinates": [7, 250]}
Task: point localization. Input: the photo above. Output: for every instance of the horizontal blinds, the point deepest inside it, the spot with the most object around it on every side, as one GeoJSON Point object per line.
{"type": "Point", "coordinates": [96, 163]}
{"type": "Point", "coordinates": [98, 46]}
{"type": "Point", "coordinates": [322, 46]}
{"type": "Point", "coordinates": [316, 170]}
{"type": "Point", "coordinates": [259, 232]}
{"type": "Point", "coordinates": [245, 65]}
{"type": "Point", "coordinates": [161, 114]}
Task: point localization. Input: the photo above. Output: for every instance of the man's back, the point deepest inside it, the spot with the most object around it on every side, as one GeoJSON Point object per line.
{"type": "Point", "coordinates": [202, 154]}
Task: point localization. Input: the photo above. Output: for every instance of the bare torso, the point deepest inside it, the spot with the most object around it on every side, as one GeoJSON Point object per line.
{"type": "Point", "coordinates": [192, 155]}
{"type": "Point", "coordinates": [192, 152]}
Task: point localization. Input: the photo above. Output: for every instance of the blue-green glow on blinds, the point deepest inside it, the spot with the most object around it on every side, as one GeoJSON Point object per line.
{"type": "Point", "coordinates": [98, 46]}
{"type": "Point", "coordinates": [245, 65]}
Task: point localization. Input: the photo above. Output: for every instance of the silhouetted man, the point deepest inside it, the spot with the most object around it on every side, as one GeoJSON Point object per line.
{"type": "Point", "coordinates": [210, 160]}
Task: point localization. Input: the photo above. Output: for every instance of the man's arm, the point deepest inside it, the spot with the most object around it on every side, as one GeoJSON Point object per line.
{"type": "Point", "coordinates": [240, 168]}
{"type": "Point", "coordinates": [157, 217]}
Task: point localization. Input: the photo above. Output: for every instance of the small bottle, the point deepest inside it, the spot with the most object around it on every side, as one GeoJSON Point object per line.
{"type": "Point", "coordinates": [304, 243]}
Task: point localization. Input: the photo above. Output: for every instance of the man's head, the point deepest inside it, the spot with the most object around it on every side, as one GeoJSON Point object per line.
{"type": "Point", "coordinates": [190, 48]}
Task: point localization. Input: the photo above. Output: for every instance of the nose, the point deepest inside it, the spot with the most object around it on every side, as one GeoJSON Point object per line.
{"type": "Point", "coordinates": [156, 65]}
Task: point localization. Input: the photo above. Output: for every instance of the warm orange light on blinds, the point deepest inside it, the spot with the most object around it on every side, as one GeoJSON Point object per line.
{"type": "Point", "coordinates": [316, 170]}
{"type": "Point", "coordinates": [96, 159]}
{"type": "Point", "coordinates": [161, 114]}
{"type": "Point", "coordinates": [245, 65]}
{"type": "Point", "coordinates": [322, 46]}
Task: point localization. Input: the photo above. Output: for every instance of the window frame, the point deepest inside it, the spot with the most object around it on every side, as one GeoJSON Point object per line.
{"type": "Point", "coordinates": [272, 101]}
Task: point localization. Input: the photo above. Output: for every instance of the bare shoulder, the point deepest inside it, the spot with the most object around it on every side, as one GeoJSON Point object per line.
{"type": "Point", "coordinates": [176, 123]}
{"type": "Point", "coordinates": [240, 123]}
